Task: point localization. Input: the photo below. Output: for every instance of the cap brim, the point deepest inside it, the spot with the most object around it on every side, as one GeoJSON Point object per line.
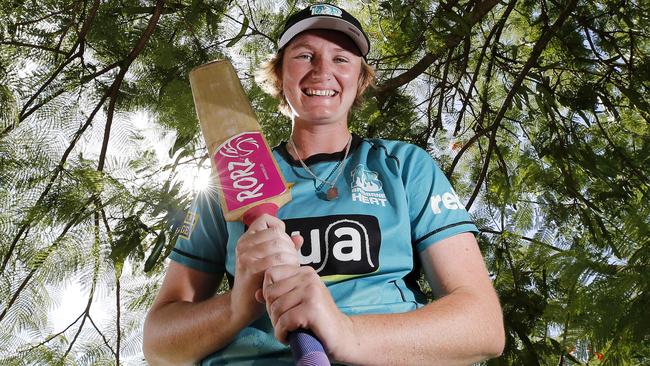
{"type": "Point", "coordinates": [330, 23]}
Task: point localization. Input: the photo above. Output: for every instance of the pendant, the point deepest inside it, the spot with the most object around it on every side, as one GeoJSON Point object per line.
{"type": "Point", "coordinates": [332, 194]}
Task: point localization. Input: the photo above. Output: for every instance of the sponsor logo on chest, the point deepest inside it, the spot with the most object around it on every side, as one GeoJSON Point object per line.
{"type": "Point", "coordinates": [366, 187]}
{"type": "Point", "coordinates": [339, 246]}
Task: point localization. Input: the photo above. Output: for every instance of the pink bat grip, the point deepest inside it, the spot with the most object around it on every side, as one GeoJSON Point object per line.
{"type": "Point", "coordinates": [263, 208]}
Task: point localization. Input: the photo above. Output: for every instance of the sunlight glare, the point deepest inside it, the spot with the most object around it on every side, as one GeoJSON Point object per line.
{"type": "Point", "coordinates": [202, 180]}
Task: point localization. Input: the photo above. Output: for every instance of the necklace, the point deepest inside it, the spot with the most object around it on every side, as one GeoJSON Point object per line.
{"type": "Point", "coordinates": [332, 191]}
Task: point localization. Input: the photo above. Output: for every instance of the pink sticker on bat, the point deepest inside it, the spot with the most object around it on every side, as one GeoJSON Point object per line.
{"type": "Point", "coordinates": [246, 170]}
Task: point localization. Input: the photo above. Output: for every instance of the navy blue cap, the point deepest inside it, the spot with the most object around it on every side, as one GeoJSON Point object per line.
{"type": "Point", "coordinates": [325, 16]}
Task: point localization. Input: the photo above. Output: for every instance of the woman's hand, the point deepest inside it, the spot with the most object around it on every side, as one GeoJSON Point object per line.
{"type": "Point", "coordinates": [264, 245]}
{"type": "Point", "coordinates": [297, 298]}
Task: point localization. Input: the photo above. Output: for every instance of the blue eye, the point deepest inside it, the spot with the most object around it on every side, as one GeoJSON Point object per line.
{"type": "Point", "coordinates": [304, 56]}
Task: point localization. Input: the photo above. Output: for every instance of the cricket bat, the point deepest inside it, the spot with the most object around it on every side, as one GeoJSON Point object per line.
{"type": "Point", "coordinates": [248, 178]}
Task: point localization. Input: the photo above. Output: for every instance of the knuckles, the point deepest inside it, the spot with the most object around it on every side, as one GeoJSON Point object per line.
{"type": "Point", "coordinates": [270, 221]}
{"type": "Point", "coordinates": [309, 274]}
{"type": "Point", "coordinates": [274, 308]}
{"type": "Point", "coordinates": [278, 259]}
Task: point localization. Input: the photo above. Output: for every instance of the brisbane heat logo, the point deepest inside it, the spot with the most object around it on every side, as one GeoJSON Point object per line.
{"type": "Point", "coordinates": [366, 187]}
{"type": "Point", "coordinates": [338, 247]}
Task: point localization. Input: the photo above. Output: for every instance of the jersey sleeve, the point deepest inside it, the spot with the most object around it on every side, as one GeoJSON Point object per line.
{"type": "Point", "coordinates": [435, 210]}
{"type": "Point", "coordinates": [201, 244]}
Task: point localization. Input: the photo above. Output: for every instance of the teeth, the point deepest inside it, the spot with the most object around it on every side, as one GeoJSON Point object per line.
{"type": "Point", "coordinates": [325, 93]}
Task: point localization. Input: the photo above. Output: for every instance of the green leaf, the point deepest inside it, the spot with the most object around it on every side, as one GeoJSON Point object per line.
{"type": "Point", "coordinates": [128, 237]}
{"type": "Point", "coordinates": [37, 259]}
{"type": "Point", "coordinates": [181, 142]}
{"type": "Point", "coordinates": [155, 252]}
{"type": "Point", "coordinates": [573, 359]}
{"type": "Point", "coordinates": [241, 33]}
{"type": "Point", "coordinates": [8, 108]}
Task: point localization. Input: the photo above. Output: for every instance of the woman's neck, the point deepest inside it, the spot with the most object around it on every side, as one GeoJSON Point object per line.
{"type": "Point", "coordinates": [316, 139]}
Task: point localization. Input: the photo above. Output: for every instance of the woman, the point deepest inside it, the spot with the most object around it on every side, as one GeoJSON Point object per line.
{"type": "Point", "coordinates": [366, 215]}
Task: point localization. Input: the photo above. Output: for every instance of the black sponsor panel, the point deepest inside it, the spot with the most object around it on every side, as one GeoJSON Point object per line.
{"type": "Point", "coordinates": [340, 244]}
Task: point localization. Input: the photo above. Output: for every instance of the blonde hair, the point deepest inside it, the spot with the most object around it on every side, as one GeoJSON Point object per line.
{"type": "Point", "coordinates": [269, 77]}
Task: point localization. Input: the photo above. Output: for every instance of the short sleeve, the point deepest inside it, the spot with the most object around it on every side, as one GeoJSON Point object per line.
{"type": "Point", "coordinates": [435, 210]}
{"type": "Point", "coordinates": [201, 244]}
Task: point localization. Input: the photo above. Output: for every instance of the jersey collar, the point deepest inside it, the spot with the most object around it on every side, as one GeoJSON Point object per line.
{"type": "Point", "coordinates": [337, 156]}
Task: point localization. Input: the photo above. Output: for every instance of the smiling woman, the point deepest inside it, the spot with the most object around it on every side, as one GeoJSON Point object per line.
{"type": "Point", "coordinates": [320, 73]}
{"type": "Point", "coordinates": [269, 78]}
{"type": "Point", "coordinates": [362, 220]}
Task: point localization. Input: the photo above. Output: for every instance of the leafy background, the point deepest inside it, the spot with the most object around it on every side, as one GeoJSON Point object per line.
{"type": "Point", "coordinates": [538, 112]}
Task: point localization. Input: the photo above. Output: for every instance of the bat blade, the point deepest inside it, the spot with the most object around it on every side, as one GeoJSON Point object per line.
{"type": "Point", "coordinates": [247, 174]}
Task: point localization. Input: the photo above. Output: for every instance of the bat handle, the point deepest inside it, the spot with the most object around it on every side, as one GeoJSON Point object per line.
{"type": "Point", "coordinates": [307, 349]}
{"type": "Point", "coordinates": [263, 208]}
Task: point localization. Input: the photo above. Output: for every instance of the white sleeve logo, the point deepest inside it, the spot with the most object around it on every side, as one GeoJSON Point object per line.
{"type": "Point", "coordinates": [447, 200]}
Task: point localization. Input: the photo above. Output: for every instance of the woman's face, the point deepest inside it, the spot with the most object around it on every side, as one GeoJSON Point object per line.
{"type": "Point", "coordinates": [320, 75]}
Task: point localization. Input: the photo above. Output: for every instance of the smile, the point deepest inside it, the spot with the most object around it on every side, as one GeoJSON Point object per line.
{"type": "Point", "coordinates": [320, 93]}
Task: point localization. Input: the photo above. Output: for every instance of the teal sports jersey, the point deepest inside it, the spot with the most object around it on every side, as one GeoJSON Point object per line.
{"type": "Point", "coordinates": [393, 203]}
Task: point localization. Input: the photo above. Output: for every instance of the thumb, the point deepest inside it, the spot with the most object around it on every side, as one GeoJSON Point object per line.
{"type": "Point", "coordinates": [298, 240]}
{"type": "Point", "coordinates": [259, 296]}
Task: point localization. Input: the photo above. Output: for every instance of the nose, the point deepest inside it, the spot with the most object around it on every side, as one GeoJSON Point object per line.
{"type": "Point", "coordinates": [322, 69]}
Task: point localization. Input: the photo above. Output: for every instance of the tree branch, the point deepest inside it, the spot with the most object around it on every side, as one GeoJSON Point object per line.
{"type": "Point", "coordinates": [466, 147]}
{"type": "Point", "coordinates": [118, 330]}
{"type": "Point", "coordinates": [522, 237]}
{"type": "Point", "coordinates": [137, 49]}
{"type": "Point", "coordinates": [70, 56]}
{"type": "Point", "coordinates": [95, 252]}
{"type": "Point", "coordinates": [47, 99]}
{"type": "Point", "coordinates": [443, 84]}
{"type": "Point", "coordinates": [29, 22]}
{"type": "Point", "coordinates": [27, 222]}
{"type": "Point", "coordinates": [92, 322]}
{"type": "Point", "coordinates": [36, 46]}
{"type": "Point", "coordinates": [80, 215]}
{"type": "Point", "coordinates": [494, 32]}
{"type": "Point", "coordinates": [479, 11]}
{"type": "Point", "coordinates": [540, 45]}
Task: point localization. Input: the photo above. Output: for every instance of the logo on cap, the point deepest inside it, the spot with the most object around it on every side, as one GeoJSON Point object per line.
{"type": "Point", "coordinates": [324, 9]}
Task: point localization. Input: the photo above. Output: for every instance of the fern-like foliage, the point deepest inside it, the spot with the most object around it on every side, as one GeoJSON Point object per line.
{"type": "Point", "coordinates": [536, 110]}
